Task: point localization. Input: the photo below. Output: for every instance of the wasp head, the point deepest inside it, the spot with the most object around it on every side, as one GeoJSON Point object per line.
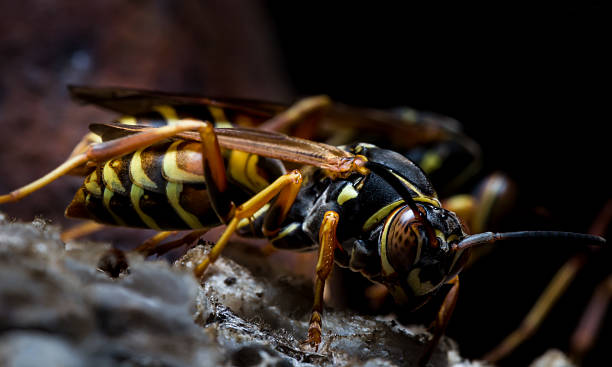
{"type": "Point", "coordinates": [418, 250]}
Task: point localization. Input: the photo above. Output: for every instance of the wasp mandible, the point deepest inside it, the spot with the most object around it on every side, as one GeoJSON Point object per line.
{"type": "Point", "coordinates": [362, 207]}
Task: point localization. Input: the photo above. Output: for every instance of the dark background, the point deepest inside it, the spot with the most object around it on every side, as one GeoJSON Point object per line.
{"type": "Point", "coordinates": [528, 84]}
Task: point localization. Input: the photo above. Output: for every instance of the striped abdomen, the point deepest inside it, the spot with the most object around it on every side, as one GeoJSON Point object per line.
{"type": "Point", "coordinates": [162, 187]}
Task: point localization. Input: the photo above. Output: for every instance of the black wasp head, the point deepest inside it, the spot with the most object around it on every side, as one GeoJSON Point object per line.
{"type": "Point", "coordinates": [419, 249]}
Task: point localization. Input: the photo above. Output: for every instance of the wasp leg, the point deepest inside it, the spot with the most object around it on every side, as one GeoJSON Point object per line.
{"type": "Point", "coordinates": [169, 246]}
{"type": "Point", "coordinates": [584, 335]}
{"type": "Point", "coordinates": [540, 309]}
{"type": "Point", "coordinates": [549, 297]}
{"type": "Point", "coordinates": [117, 147]}
{"type": "Point", "coordinates": [492, 200]}
{"type": "Point", "coordinates": [327, 243]}
{"type": "Point", "coordinates": [289, 182]}
{"type": "Point", "coordinates": [152, 242]}
{"type": "Point", "coordinates": [89, 139]}
{"type": "Point", "coordinates": [444, 314]}
{"type": "Point", "coordinates": [80, 230]}
{"type": "Point", "coordinates": [306, 112]}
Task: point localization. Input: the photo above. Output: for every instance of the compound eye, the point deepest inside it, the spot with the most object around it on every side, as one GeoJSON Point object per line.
{"type": "Point", "coordinates": [404, 239]}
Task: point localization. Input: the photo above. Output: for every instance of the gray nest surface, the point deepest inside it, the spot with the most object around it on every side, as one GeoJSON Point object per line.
{"type": "Point", "coordinates": [58, 309]}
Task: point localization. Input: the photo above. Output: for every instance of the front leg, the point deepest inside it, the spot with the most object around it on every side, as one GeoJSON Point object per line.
{"type": "Point", "coordinates": [442, 319]}
{"type": "Point", "coordinates": [327, 243]}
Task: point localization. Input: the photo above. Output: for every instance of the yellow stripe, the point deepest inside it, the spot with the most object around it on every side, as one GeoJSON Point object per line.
{"type": "Point", "coordinates": [258, 183]}
{"type": "Point", "coordinates": [420, 196]}
{"type": "Point", "coordinates": [138, 174]}
{"type": "Point", "coordinates": [173, 192]}
{"type": "Point", "coordinates": [108, 194]}
{"type": "Point", "coordinates": [135, 195]}
{"type": "Point", "coordinates": [237, 161]}
{"type": "Point", "coordinates": [347, 193]}
{"type": "Point", "coordinates": [168, 113]}
{"type": "Point", "coordinates": [127, 120]}
{"type": "Point", "coordinates": [91, 184]}
{"type": "Point", "coordinates": [380, 214]}
{"type": "Point", "coordinates": [171, 170]}
{"type": "Point", "coordinates": [111, 179]}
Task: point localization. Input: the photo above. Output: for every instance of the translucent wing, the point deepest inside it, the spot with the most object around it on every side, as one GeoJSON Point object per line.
{"type": "Point", "coordinates": [403, 128]}
{"type": "Point", "coordinates": [264, 143]}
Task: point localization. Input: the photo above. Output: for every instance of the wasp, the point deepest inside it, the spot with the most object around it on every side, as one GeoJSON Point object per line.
{"type": "Point", "coordinates": [175, 163]}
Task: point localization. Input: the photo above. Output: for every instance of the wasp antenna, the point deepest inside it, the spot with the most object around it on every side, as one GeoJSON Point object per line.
{"type": "Point", "coordinates": [387, 174]}
{"type": "Point", "coordinates": [481, 239]}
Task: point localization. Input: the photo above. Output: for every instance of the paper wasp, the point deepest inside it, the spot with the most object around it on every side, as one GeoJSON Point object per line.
{"type": "Point", "coordinates": [168, 167]}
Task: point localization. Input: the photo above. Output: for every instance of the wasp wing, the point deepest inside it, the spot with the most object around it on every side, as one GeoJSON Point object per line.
{"type": "Point", "coordinates": [402, 128]}
{"type": "Point", "coordinates": [135, 101]}
{"type": "Point", "coordinates": [264, 143]}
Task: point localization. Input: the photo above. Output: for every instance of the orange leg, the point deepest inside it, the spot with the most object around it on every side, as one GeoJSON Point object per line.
{"type": "Point", "coordinates": [327, 243]}
{"type": "Point", "coordinates": [441, 322]}
{"type": "Point", "coordinates": [168, 246]}
{"type": "Point", "coordinates": [289, 182]}
{"type": "Point", "coordinates": [152, 242]}
{"type": "Point", "coordinates": [80, 230]}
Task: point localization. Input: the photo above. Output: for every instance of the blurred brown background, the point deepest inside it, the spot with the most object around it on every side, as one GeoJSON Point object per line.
{"type": "Point", "coordinates": [524, 82]}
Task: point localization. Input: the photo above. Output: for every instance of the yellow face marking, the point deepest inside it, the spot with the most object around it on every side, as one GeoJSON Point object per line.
{"type": "Point", "coordinates": [108, 195]}
{"type": "Point", "coordinates": [451, 238]}
{"type": "Point", "coordinates": [380, 215]}
{"type": "Point", "coordinates": [414, 281]}
{"type": "Point", "coordinates": [136, 194]}
{"type": "Point", "coordinates": [218, 114]}
{"type": "Point", "coordinates": [138, 174]}
{"type": "Point", "coordinates": [173, 192]}
{"type": "Point", "coordinates": [168, 113]}
{"type": "Point", "coordinates": [127, 120]}
{"type": "Point", "coordinates": [110, 177]}
{"type": "Point", "coordinates": [172, 172]}
{"type": "Point", "coordinates": [431, 161]}
{"type": "Point", "coordinates": [91, 184]}
{"type": "Point", "coordinates": [347, 193]}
